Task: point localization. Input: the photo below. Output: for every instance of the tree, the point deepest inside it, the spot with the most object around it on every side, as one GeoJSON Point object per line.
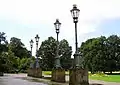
{"type": "Point", "coordinates": [3, 42]}
{"type": "Point", "coordinates": [2, 61]}
{"type": "Point", "coordinates": [47, 52]}
{"type": "Point", "coordinates": [3, 49]}
{"type": "Point", "coordinates": [10, 61]}
{"type": "Point", "coordinates": [13, 55]}
{"type": "Point", "coordinates": [113, 53]}
{"type": "Point", "coordinates": [24, 64]}
{"type": "Point", "coordinates": [94, 51]}
{"type": "Point", "coordinates": [102, 54]}
{"type": "Point", "coordinates": [65, 52]}
{"type": "Point", "coordinates": [18, 48]}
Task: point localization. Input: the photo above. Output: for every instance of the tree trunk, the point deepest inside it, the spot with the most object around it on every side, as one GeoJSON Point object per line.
{"type": "Point", "coordinates": [110, 72]}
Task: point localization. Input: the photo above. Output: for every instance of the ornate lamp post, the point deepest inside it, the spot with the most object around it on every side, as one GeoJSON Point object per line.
{"type": "Point", "coordinates": [78, 75]}
{"type": "Point", "coordinates": [57, 59]}
{"type": "Point", "coordinates": [58, 73]}
{"type": "Point", "coordinates": [37, 40]}
{"type": "Point", "coordinates": [31, 46]}
{"type": "Point", "coordinates": [35, 71]}
{"type": "Point", "coordinates": [75, 15]}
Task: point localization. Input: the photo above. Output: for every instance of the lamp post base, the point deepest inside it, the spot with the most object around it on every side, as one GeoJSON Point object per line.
{"type": "Point", "coordinates": [35, 72]}
{"type": "Point", "coordinates": [1, 73]}
{"type": "Point", "coordinates": [78, 76]}
{"type": "Point", "coordinates": [58, 75]}
{"type": "Point", "coordinates": [38, 72]}
{"type": "Point", "coordinates": [29, 72]}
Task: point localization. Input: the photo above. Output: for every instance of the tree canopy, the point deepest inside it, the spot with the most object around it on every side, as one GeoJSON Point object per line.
{"type": "Point", "coordinates": [18, 48]}
{"type": "Point", "coordinates": [102, 54]}
{"type": "Point", "coordinates": [47, 52]}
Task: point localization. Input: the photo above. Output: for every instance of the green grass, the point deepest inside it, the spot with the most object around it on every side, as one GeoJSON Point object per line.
{"type": "Point", "coordinates": [47, 72]}
{"type": "Point", "coordinates": [108, 78]}
{"type": "Point", "coordinates": [50, 72]}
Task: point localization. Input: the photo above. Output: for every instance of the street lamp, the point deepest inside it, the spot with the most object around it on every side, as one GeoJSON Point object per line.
{"type": "Point", "coordinates": [57, 25]}
{"type": "Point", "coordinates": [31, 46]}
{"type": "Point", "coordinates": [37, 40]}
{"type": "Point", "coordinates": [75, 14]}
{"type": "Point", "coordinates": [58, 73]}
{"type": "Point", "coordinates": [78, 74]}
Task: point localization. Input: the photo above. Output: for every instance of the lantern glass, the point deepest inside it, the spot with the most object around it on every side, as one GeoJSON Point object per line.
{"type": "Point", "coordinates": [75, 12]}
{"type": "Point", "coordinates": [57, 25]}
{"type": "Point", "coordinates": [37, 38]}
{"type": "Point", "coordinates": [31, 42]}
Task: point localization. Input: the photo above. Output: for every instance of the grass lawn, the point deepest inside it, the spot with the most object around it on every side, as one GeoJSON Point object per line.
{"type": "Point", "coordinates": [47, 72]}
{"type": "Point", "coordinates": [50, 72]}
{"type": "Point", "coordinates": [108, 78]}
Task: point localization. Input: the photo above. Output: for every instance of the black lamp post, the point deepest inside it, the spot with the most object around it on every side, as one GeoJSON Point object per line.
{"type": "Point", "coordinates": [75, 15]}
{"type": "Point", "coordinates": [37, 40]}
{"type": "Point", "coordinates": [31, 46]}
{"type": "Point", "coordinates": [57, 59]}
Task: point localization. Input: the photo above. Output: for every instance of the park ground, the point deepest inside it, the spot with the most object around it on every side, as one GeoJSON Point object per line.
{"type": "Point", "coordinates": [93, 79]}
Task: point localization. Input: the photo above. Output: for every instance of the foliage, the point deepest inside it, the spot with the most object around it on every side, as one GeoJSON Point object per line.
{"type": "Point", "coordinates": [65, 52]}
{"type": "Point", "coordinates": [11, 62]}
{"type": "Point", "coordinates": [18, 48]}
{"type": "Point", "coordinates": [101, 54]}
{"type": "Point", "coordinates": [13, 55]}
{"type": "Point", "coordinates": [47, 52]}
{"type": "Point", "coordinates": [24, 64]}
{"type": "Point", "coordinates": [3, 50]}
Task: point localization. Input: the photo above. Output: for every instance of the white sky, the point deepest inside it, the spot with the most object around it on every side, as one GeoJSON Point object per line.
{"type": "Point", "coordinates": [39, 12]}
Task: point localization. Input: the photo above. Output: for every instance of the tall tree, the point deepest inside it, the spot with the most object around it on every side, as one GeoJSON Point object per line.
{"type": "Point", "coordinates": [47, 52]}
{"type": "Point", "coordinates": [93, 51]}
{"type": "Point", "coordinates": [18, 48]}
{"type": "Point", "coordinates": [113, 53]}
{"type": "Point", "coordinates": [3, 49]}
{"type": "Point", "coordinates": [11, 63]}
{"type": "Point", "coordinates": [102, 54]}
{"type": "Point", "coordinates": [65, 52]}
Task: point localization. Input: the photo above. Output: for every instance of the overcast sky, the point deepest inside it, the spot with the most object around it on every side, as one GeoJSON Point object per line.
{"type": "Point", "coordinates": [26, 18]}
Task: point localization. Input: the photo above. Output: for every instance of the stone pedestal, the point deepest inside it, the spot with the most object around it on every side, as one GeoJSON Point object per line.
{"type": "Point", "coordinates": [78, 77]}
{"type": "Point", "coordinates": [35, 72]}
{"type": "Point", "coordinates": [38, 72]}
{"type": "Point", "coordinates": [1, 73]}
{"type": "Point", "coordinates": [58, 75]}
{"type": "Point", "coordinates": [29, 72]}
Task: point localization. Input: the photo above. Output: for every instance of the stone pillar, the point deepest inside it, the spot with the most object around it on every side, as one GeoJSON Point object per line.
{"type": "Point", "coordinates": [38, 72]}
{"type": "Point", "coordinates": [35, 72]}
{"type": "Point", "coordinates": [1, 73]}
{"type": "Point", "coordinates": [58, 75]}
{"type": "Point", "coordinates": [29, 72]}
{"type": "Point", "coordinates": [78, 77]}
